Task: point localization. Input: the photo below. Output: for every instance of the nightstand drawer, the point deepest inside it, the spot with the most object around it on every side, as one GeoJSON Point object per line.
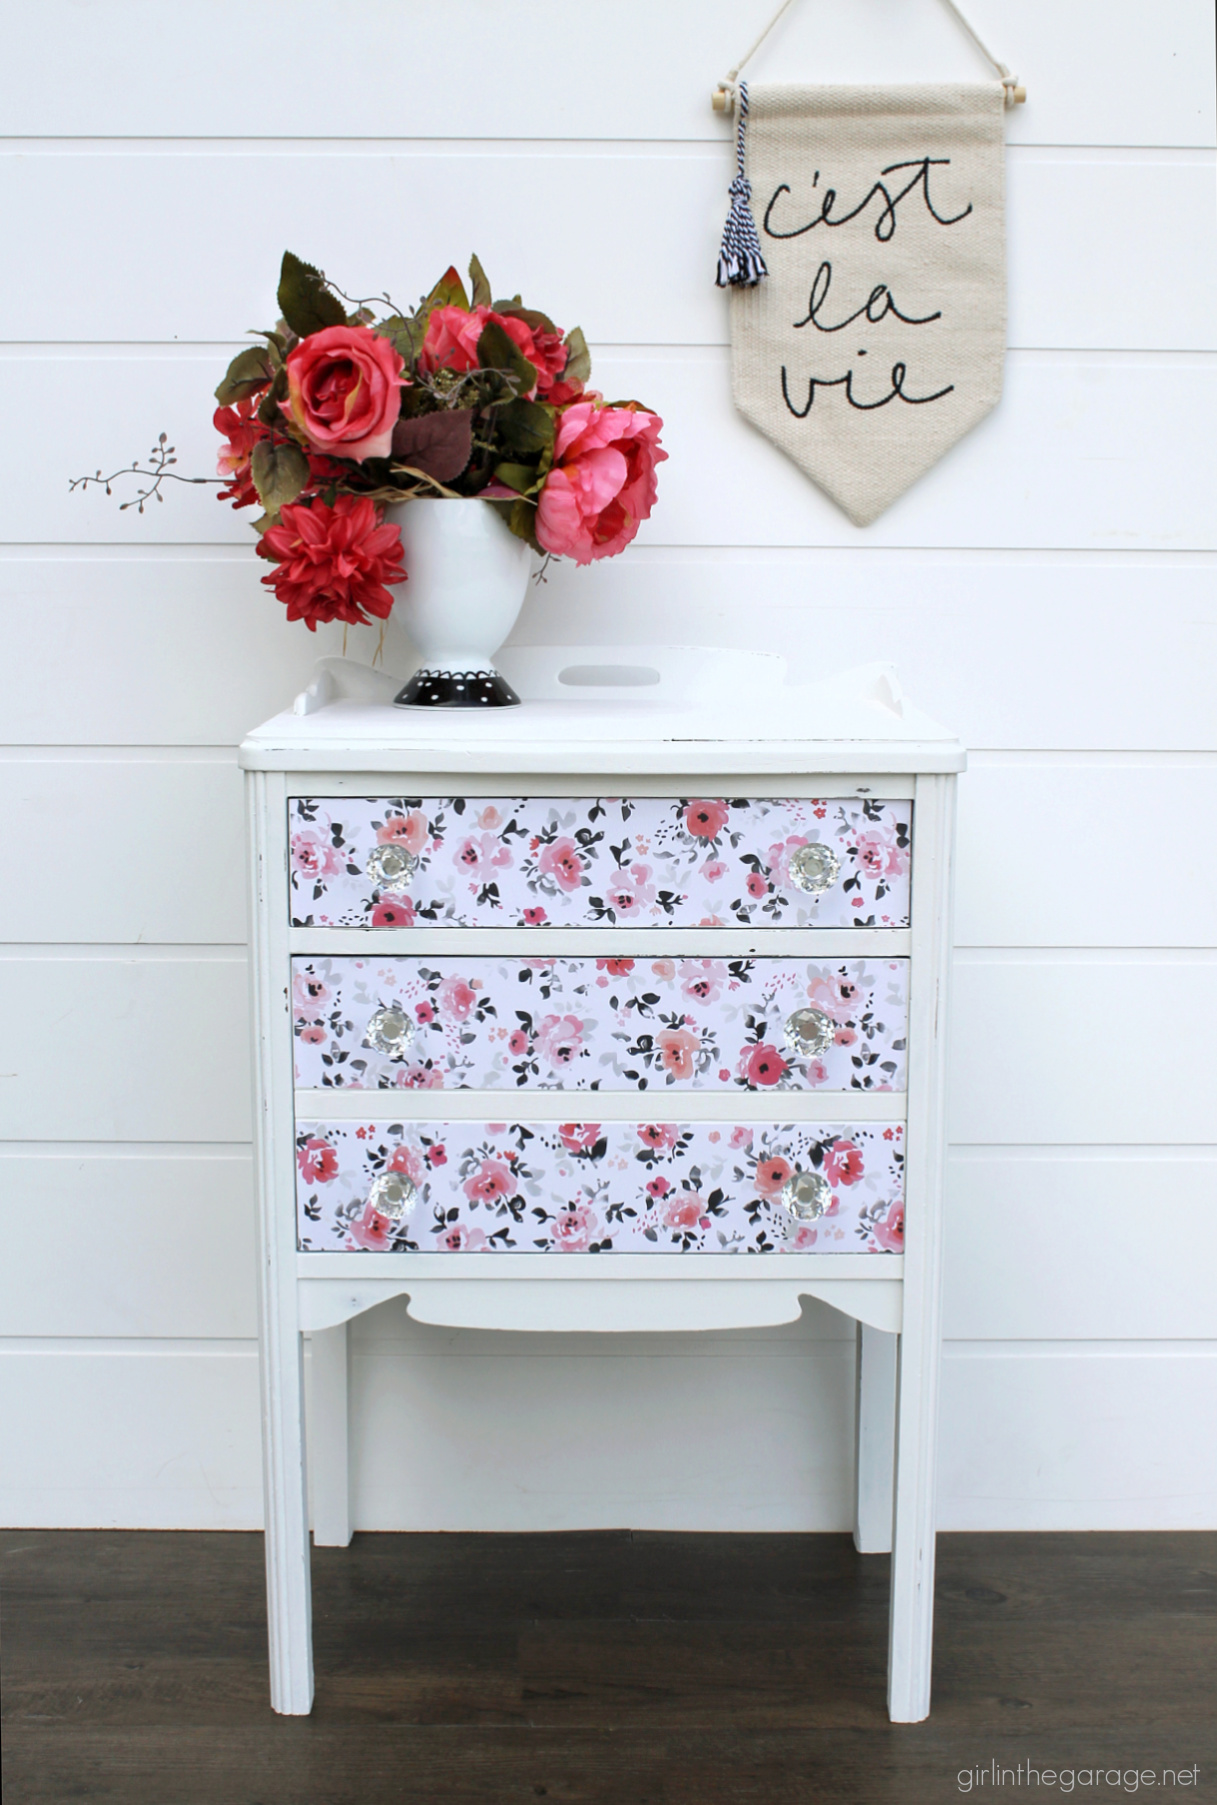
{"type": "Point", "coordinates": [608, 1024]}
{"type": "Point", "coordinates": [494, 861]}
{"type": "Point", "coordinates": [544, 1187]}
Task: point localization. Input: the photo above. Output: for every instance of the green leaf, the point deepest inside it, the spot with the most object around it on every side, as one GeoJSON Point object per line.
{"type": "Point", "coordinates": [578, 357]}
{"type": "Point", "coordinates": [480, 288]}
{"type": "Point", "coordinates": [449, 291]}
{"type": "Point", "coordinates": [498, 352]}
{"type": "Point", "coordinates": [520, 477]}
{"type": "Point", "coordinates": [279, 473]}
{"type": "Point", "coordinates": [523, 522]}
{"type": "Point", "coordinates": [307, 304]}
{"type": "Point", "coordinates": [526, 426]}
{"type": "Point", "coordinates": [269, 411]}
{"type": "Point", "coordinates": [248, 373]}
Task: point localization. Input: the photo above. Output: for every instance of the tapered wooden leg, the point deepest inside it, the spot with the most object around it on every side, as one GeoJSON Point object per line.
{"type": "Point", "coordinates": [875, 1440]}
{"type": "Point", "coordinates": [328, 1444]}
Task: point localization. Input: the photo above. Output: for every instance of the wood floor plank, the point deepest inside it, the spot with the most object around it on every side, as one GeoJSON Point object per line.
{"type": "Point", "coordinates": [606, 1668]}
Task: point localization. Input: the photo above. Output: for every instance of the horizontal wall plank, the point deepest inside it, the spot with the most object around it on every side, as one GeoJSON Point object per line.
{"type": "Point", "coordinates": [109, 1439]}
{"type": "Point", "coordinates": [166, 850]}
{"type": "Point", "coordinates": [161, 1243]}
{"type": "Point", "coordinates": [1098, 451]}
{"type": "Point", "coordinates": [152, 1046]}
{"type": "Point", "coordinates": [1062, 855]}
{"type": "Point", "coordinates": [1016, 653]}
{"type": "Point", "coordinates": [1105, 1051]}
{"type": "Point", "coordinates": [144, 70]}
{"type": "Point", "coordinates": [143, 1048]}
{"type": "Point", "coordinates": [1074, 282]}
{"type": "Point", "coordinates": [1097, 1246]}
{"type": "Point", "coordinates": [450, 1436]}
{"type": "Point", "coordinates": [1061, 1441]}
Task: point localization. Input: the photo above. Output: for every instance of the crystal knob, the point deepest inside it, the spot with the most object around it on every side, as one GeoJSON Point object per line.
{"type": "Point", "coordinates": [391, 865]}
{"type": "Point", "coordinates": [390, 1031]}
{"type": "Point", "coordinates": [805, 1195]}
{"type": "Point", "coordinates": [392, 1196]}
{"type": "Point", "coordinates": [814, 868]}
{"type": "Point", "coordinates": [809, 1031]}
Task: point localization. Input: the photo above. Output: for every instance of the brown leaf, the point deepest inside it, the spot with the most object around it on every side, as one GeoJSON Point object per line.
{"type": "Point", "coordinates": [438, 444]}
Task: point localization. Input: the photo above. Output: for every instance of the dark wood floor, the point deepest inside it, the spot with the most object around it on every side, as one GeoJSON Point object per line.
{"type": "Point", "coordinates": [608, 1669]}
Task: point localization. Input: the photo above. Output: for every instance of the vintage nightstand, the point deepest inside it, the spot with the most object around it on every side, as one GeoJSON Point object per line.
{"type": "Point", "coordinates": [621, 1010]}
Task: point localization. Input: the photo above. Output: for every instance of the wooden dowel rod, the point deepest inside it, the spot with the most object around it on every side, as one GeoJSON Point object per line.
{"type": "Point", "coordinates": [720, 100]}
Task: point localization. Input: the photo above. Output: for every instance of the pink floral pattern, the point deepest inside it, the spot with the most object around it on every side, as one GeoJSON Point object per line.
{"type": "Point", "coordinates": [599, 1024]}
{"type": "Point", "coordinates": [558, 861]}
{"type": "Point", "coordinates": [620, 1187]}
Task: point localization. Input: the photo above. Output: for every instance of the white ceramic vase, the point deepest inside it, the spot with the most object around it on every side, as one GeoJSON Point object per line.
{"type": "Point", "coordinates": [466, 578]}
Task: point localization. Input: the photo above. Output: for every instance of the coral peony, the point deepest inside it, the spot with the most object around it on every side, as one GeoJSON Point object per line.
{"type": "Point", "coordinates": [452, 338]}
{"type": "Point", "coordinates": [602, 483]}
{"type": "Point", "coordinates": [344, 386]}
{"type": "Point", "coordinates": [242, 432]}
{"type": "Point", "coordinates": [333, 563]}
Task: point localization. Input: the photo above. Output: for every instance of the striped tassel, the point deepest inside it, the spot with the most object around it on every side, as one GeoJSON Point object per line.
{"type": "Point", "coordinates": [740, 263]}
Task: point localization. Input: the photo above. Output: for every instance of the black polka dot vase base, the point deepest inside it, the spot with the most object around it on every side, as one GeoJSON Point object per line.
{"type": "Point", "coordinates": [430, 688]}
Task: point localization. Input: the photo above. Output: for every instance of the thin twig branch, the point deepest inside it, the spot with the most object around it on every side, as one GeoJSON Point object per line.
{"type": "Point", "coordinates": [161, 457]}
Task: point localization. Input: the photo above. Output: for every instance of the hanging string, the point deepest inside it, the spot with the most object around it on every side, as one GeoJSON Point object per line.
{"type": "Point", "coordinates": [740, 263]}
{"type": "Point", "coordinates": [1015, 92]}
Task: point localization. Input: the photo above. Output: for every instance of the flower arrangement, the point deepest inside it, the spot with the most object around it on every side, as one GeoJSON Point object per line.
{"type": "Point", "coordinates": [349, 405]}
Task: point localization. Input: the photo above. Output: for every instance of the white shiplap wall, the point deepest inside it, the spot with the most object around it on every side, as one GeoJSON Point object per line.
{"type": "Point", "coordinates": [1048, 590]}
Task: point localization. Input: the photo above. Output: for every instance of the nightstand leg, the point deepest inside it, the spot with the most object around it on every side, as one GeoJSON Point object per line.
{"type": "Point", "coordinates": [875, 1440]}
{"type": "Point", "coordinates": [328, 1443]}
{"type": "Point", "coordinates": [288, 1581]}
{"type": "Point", "coordinates": [910, 1647]}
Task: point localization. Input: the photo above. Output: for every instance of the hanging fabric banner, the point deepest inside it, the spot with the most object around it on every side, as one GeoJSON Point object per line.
{"type": "Point", "coordinates": [872, 335]}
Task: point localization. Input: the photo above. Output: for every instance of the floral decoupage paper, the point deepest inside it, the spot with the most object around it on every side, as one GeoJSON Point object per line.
{"type": "Point", "coordinates": [600, 1024]}
{"type": "Point", "coordinates": [585, 1187]}
{"type": "Point", "coordinates": [564, 861]}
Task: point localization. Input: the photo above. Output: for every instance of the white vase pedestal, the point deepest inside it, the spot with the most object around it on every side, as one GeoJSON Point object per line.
{"type": "Point", "coordinates": [466, 578]}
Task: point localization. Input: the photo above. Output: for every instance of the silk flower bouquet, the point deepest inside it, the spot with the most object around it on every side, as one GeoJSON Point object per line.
{"type": "Point", "coordinates": [350, 408]}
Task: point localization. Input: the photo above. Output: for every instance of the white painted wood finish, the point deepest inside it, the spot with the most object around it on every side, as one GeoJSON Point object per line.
{"type": "Point", "coordinates": [875, 1438]}
{"type": "Point", "coordinates": [329, 1437]}
{"type": "Point", "coordinates": [1077, 653]}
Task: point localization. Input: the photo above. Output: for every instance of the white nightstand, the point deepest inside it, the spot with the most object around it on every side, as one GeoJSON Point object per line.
{"type": "Point", "coordinates": [621, 1010]}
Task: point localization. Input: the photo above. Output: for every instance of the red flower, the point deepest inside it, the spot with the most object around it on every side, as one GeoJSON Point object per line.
{"type": "Point", "coordinates": [317, 1160]}
{"type": "Point", "coordinates": [616, 968]}
{"type": "Point", "coordinates": [756, 884]}
{"type": "Point", "coordinates": [333, 563]}
{"type": "Point", "coordinates": [392, 911]}
{"type": "Point", "coordinates": [242, 432]}
{"type": "Point", "coordinates": [706, 820]}
{"type": "Point", "coordinates": [534, 917]}
{"type": "Point", "coordinates": [764, 1065]}
{"type": "Point", "coordinates": [843, 1163]}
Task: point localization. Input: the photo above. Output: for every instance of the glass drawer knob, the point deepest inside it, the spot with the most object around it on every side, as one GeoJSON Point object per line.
{"type": "Point", "coordinates": [814, 868]}
{"type": "Point", "coordinates": [390, 1031]}
{"type": "Point", "coordinates": [805, 1196]}
{"type": "Point", "coordinates": [392, 1196]}
{"type": "Point", "coordinates": [809, 1031]}
{"type": "Point", "coordinates": [391, 865]}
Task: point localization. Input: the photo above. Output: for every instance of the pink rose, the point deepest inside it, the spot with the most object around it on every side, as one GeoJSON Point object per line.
{"type": "Point", "coordinates": [616, 968]}
{"type": "Point", "coordinates": [713, 870]}
{"type": "Point", "coordinates": [560, 1039]}
{"type": "Point", "coordinates": [756, 884]}
{"type": "Point", "coordinates": [800, 1236]}
{"type": "Point", "coordinates": [771, 1175]}
{"type": "Point", "coordinates": [843, 1163]}
{"type": "Point", "coordinates": [664, 968]}
{"type": "Point", "coordinates": [313, 1034]}
{"type": "Point", "coordinates": [481, 855]}
{"type": "Point", "coordinates": [890, 1232]}
{"type": "Point", "coordinates": [317, 1160]}
{"type": "Point", "coordinates": [702, 980]}
{"type": "Point", "coordinates": [371, 1230]}
{"type": "Point", "coordinates": [677, 1051]}
{"type": "Point", "coordinates": [834, 997]}
{"type": "Point", "coordinates": [685, 1210]}
{"type": "Point", "coordinates": [424, 1013]}
{"type": "Point", "coordinates": [456, 998]}
{"type": "Point", "coordinates": [313, 854]}
{"type": "Point", "coordinates": [660, 1135]}
{"type": "Point", "coordinates": [409, 831]}
{"type": "Point", "coordinates": [344, 391]}
{"type": "Point", "coordinates": [393, 912]}
{"type": "Point", "coordinates": [561, 861]}
{"type": "Point", "coordinates": [740, 1137]}
{"type": "Point", "coordinates": [579, 1137]}
{"type": "Point", "coordinates": [421, 1078]}
{"type": "Point", "coordinates": [779, 860]}
{"type": "Point", "coordinates": [518, 1042]}
{"type": "Point", "coordinates": [451, 343]}
{"type": "Point", "coordinates": [405, 1159]}
{"type": "Point", "coordinates": [534, 917]}
{"type": "Point", "coordinates": [630, 890]}
{"type": "Point", "coordinates": [659, 1187]}
{"type": "Point", "coordinates": [879, 855]}
{"type": "Point", "coordinates": [491, 1183]}
{"type": "Point", "coordinates": [602, 482]}
{"type": "Point", "coordinates": [706, 820]}
{"type": "Point", "coordinates": [459, 1239]}
{"type": "Point", "coordinates": [573, 1228]}
{"type": "Point", "coordinates": [309, 992]}
{"type": "Point", "coordinates": [438, 1155]}
{"type": "Point", "coordinates": [763, 1065]}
